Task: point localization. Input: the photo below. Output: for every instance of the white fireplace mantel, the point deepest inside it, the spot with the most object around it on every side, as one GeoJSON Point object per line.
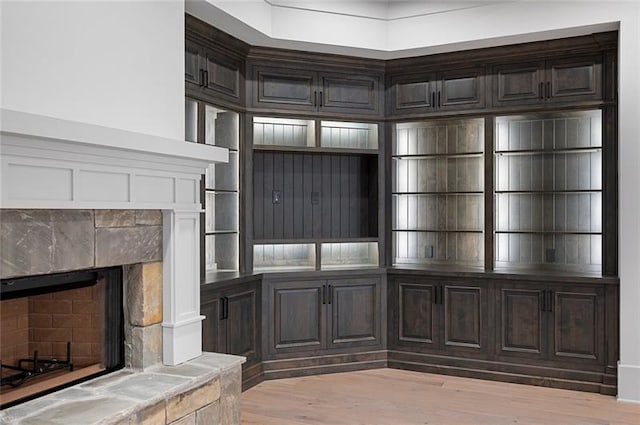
{"type": "Point", "coordinates": [49, 163]}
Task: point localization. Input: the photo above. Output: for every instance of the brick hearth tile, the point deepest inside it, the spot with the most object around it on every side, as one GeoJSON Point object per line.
{"type": "Point", "coordinates": [76, 320]}
{"type": "Point", "coordinates": [40, 320]}
{"type": "Point", "coordinates": [52, 306]}
{"type": "Point", "coordinates": [52, 335]}
{"type": "Point", "coordinates": [86, 335]}
{"type": "Point", "coordinates": [82, 306]}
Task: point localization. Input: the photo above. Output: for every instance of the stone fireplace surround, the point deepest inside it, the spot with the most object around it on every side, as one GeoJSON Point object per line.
{"type": "Point", "coordinates": [76, 196]}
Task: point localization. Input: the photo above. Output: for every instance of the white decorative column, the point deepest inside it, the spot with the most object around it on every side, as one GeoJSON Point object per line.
{"type": "Point", "coordinates": [182, 322]}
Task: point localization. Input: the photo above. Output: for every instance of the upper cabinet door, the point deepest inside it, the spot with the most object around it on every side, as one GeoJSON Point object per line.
{"type": "Point", "coordinates": [223, 76]}
{"type": "Point", "coordinates": [460, 89]}
{"type": "Point", "coordinates": [349, 93]}
{"type": "Point", "coordinates": [192, 72]}
{"type": "Point", "coordinates": [412, 94]}
{"type": "Point", "coordinates": [553, 81]}
{"type": "Point", "coordinates": [575, 79]}
{"type": "Point", "coordinates": [283, 88]}
{"type": "Point", "coordinates": [519, 84]}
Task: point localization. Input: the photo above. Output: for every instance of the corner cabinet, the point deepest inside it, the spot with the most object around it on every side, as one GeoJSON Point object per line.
{"type": "Point", "coordinates": [285, 88]}
{"type": "Point", "coordinates": [552, 81]}
{"type": "Point", "coordinates": [318, 316]}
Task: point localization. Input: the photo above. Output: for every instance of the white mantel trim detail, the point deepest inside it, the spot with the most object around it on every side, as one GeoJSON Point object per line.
{"type": "Point", "coordinates": [48, 163]}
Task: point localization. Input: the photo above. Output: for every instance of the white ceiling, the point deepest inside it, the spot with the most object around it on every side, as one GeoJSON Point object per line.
{"type": "Point", "coordinates": [387, 29]}
{"type": "Point", "coordinates": [385, 10]}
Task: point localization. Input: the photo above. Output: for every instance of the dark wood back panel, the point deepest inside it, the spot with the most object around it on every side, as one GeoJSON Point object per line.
{"type": "Point", "coordinates": [346, 205]}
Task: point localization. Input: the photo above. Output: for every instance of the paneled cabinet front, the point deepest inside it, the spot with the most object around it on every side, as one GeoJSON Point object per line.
{"type": "Point", "coordinates": [434, 92]}
{"type": "Point", "coordinates": [551, 81]}
{"type": "Point", "coordinates": [276, 88]}
{"type": "Point", "coordinates": [210, 72]}
{"type": "Point", "coordinates": [232, 322]}
{"type": "Point", "coordinates": [557, 322]}
{"type": "Point", "coordinates": [440, 315]}
{"type": "Point", "coordinates": [315, 315]}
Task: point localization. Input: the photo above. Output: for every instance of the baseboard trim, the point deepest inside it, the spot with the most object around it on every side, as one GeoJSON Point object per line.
{"type": "Point", "coordinates": [586, 381]}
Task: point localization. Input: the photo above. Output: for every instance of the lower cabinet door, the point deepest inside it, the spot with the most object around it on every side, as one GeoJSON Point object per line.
{"type": "Point", "coordinates": [521, 321]}
{"type": "Point", "coordinates": [242, 324]}
{"type": "Point", "coordinates": [576, 331]}
{"type": "Point", "coordinates": [213, 332]}
{"type": "Point", "coordinates": [354, 307]}
{"type": "Point", "coordinates": [465, 317]}
{"type": "Point", "coordinates": [417, 320]}
{"type": "Point", "coordinates": [297, 316]}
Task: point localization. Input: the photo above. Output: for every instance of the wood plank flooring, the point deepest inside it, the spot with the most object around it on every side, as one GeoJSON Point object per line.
{"type": "Point", "coordinates": [397, 397]}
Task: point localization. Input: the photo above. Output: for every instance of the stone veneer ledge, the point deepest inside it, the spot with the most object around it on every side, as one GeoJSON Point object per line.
{"type": "Point", "coordinates": [201, 391]}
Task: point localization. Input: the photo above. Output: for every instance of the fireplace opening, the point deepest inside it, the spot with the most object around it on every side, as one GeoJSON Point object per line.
{"type": "Point", "coordinates": [58, 330]}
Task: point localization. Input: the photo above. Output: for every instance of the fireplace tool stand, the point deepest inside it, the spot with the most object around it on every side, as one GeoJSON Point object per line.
{"type": "Point", "coordinates": [32, 367]}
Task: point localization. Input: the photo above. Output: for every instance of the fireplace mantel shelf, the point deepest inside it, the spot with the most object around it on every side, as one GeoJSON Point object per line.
{"type": "Point", "coordinates": [53, 163]}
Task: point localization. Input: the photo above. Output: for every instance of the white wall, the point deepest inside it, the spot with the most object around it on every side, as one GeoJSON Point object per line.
{"type": "Point", "coordinates": [118, 64]}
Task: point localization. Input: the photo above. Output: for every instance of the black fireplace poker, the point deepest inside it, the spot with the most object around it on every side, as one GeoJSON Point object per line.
{"type": "Point", "coordinates": [32, 367]}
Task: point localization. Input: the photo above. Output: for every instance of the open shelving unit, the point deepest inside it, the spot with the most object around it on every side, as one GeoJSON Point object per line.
{"type": "Point", "coordinates": [437, 192]}
{"type": "Point", "coordinates": [548, 191]}
{"type": "Point", "coordinates": [315, 194]}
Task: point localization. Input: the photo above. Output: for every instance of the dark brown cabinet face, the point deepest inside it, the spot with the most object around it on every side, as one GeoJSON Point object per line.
{"type": "Point", "coordinates": [192, 63]}
{"type": "Point", "coordinates": [298, 316]}
{"type": "Point", "coordinates": [577, 324]}
{"type": "Point", "coordinates": [561, 323]}
{"type": "Point", "coordinates": [231, 323]}
{"type": "Point", "coordinates": [348, 94]}
{"type": "Point", "coordinates": [284, 88]}
{"type": "Point", "coordinates": [303, 90]}
{"type": "Point", "coordinates": [316, 315]}
{"type": "Point", "coordinates": [222, 76]}
{"type": "Point", "coordinates": [210, 74]}
{"type": "Point", "coordinates": [555, 81]}
{"type": "Point", "coordinates": [464, 317]}
{"type": "Point", "coordinates": [355, 310]}
{"type": "Point", "coordinates": [242, 324]}
{"type": "Point", "coordinates": [431, 92]}
{"type": "Point", "coordinates": [521, 321]}
{"type": "Point", "coordinates": [418, 322]}
{"type": "Point", "coordinates": [440, 315]}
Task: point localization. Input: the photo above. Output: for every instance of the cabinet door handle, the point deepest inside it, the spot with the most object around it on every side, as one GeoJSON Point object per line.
{"type": "Point", "coordinates": [548, 89]}
{"type": "Point", "coordinates": [441, 295]}
{"type": "Point", "coordinates": [433, 99]}
{"type": "Point", "coordinates": [550, 301]}
{"type": "Point", "coordinates": [438, 99]}
{"type": "Point", "coordinates": [435, 295]}
{"type": "Point", "coordinates": [321, 99]}
{"type": "Point", "coordinates": [543, 305]}
{"type": "Point", "coordinates": [201, 77]}
{"type": "Point", "coordinates": [329, 294]}
{"type": "Point", "coordinates": [315, 98]}
{"type": "Point", "coordinates": [541, 90]}
{"type": "Point", "coordinates": [324, 294]}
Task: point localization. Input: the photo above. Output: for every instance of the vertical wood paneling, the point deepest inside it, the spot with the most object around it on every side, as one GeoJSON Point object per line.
{"type": "Point", "coordinates": [326, 195]}
{"type": "Point", "coordinates": [347, 204]}
{"type": "Point", "coordinates": [335, 196]}
{"type": "Point", "coordinates": [267, 205]}
{"type": "Point", "coordinates": [298, 194]}
{"type": "Point", "coordinates": [258, 195]}
{"type": "Point", "coordinates": [289, 197]}
{"type": "Point", "coordinates": [317, 188]}
{"type": "Point", "coordinates": [306, 199]}
{"type": "Point", "coordinates": [345, 200]}
{"type": "Point", "coordinates": [278, 185]}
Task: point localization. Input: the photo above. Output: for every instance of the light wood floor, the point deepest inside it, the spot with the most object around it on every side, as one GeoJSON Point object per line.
{"type": "Point", "coordinates": [396, 397]}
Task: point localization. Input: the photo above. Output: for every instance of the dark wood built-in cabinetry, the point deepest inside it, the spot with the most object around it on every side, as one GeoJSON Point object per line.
{"type": "Point", "coordinates": [453, 213]}
{"type": "Point", "coordinates": [288, 88]}
{"type": "Point", "coordinates": [318, 316]}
